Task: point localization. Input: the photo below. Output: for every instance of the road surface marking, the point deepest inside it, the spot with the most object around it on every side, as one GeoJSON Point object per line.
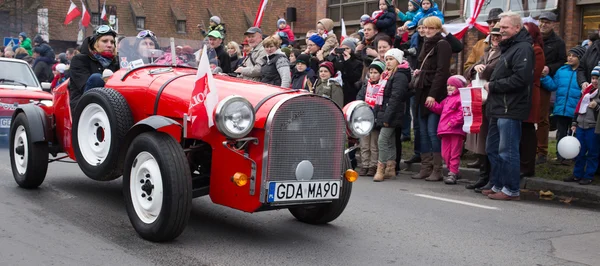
{"type": "Point", "coordinates": [457, 202]}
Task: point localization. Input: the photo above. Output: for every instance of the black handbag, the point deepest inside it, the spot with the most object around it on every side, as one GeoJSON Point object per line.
{"type": "Point", "coordinates": [417, 79]}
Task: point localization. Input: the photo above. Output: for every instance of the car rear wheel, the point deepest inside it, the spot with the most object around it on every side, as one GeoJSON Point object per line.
{"type": "Point", "coordinates": [102, 119]}
{"type": "Point", "coordinates": [28, 160]}
{"type": "Point", "coordinates": [325, 213]}
{"type": "Point", "coordinates": [157, 185]}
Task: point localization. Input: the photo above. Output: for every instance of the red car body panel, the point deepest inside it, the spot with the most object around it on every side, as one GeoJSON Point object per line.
{"type": "Point", "coordinates": [140, 89]}
{"type": "Point", "coordinates": [11, 98]}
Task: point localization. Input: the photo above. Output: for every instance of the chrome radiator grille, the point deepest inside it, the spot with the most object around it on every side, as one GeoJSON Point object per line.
{"type": "Point", "coordinates": [309, 128]}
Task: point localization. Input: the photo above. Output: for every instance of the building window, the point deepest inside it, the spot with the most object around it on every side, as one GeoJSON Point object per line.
{"type": "Point", "coordinates": [140, 23]}
{"type": "Point", "coordinates": [95, 19]}
{"type": "Point", "coordinates": [591, 21]}
{"type": "Point", "coordinates": [181, 26]}
{"type": "Point", "coordinates": [524, 7]}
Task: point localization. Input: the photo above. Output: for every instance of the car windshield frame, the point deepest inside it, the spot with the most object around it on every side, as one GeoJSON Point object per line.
{"type": "Point", "coordinates": [9, 65]}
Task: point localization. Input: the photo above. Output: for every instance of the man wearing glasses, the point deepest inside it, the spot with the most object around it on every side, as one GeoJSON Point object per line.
{"type": "Point", "coordinates": [480, 46]}
{"type": "Point", "coordinates": [555, 52]}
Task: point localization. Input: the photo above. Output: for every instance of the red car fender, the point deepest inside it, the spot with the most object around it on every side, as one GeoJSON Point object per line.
{"type": "Point", "coordinates": [40, 124]}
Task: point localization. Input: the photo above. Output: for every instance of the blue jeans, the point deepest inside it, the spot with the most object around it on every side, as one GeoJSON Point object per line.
{"type": "Point", "coordinates": [428, 131]}
{"type": "Point", "coordinates": [586, 162]}
{"type": "Point", "coordinates": [94, 81]}
{"type": "Point", "coordinates": [502, 147]}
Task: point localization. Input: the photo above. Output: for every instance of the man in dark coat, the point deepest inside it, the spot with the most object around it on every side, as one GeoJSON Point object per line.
{"type": "Point", "coordinates": [216, 42]}
{"type": "Point", "coordinates": [588, 62]}
{"type": "Point", "coordinates": [346, 62]}
{"type": "Point", "coordinates": [508, 104]}
{"type": "Point", "coordinates": [555, 53]}
{"type": "Point", "coordinates": [42, 66]}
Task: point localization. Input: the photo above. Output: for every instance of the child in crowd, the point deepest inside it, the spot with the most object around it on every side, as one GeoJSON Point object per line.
{"type": "Point", "coordinates": [59, 74]}
{"type": "Point", "coordinates": [428, 8]}
{"type": "Point", "coordinates": [214, 66]}
{"type": "Point", "coordinates": [303, 77]}
{"type": "Point", "coordinates": [372, 94]}
{"type": "Point", "coordinates": [328, 86]}
{"type": "Point", "coordinates": [385, 20]}
{"type": "Point", "coordinates": [568, 94]}
{"type": "Point", "coordinates": [450, 126]}
{"type": "Point", "coordinates": [282, 26]}
{"type": "Point", "coordinates": [414, 6]}
{"type": "Point", "coordinates": [584, 125]}
{"type": "Point", "coordinates": [325, 30]}
{"type": "Point", "coordinates": [214, 24]}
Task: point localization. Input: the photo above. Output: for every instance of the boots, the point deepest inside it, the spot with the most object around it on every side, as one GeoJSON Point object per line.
{"type": "Point", "coordinates": [426, 166]}
{"type": "Point", "coordinates": [363, 171]}
{"type": "Point", "coordinates": [476, 164]}
{"type": "Point", "coordinates": [487, 186]}
{"type": "Point", "coordinates": [436, 174]}
{"type": "Point", "coordinates": [414, 159]}
{"type": "Point", "coordinates": [484, 174]}
{"type": "Point", "coordinates": [380, 172]}
{"type": "Point", "coordinates": [390, 170]}
{"type": "Point", "coordinates": [372, 171]}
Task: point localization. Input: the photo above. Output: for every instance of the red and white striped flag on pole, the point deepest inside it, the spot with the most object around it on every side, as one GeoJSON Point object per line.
{"type": "Point", "coordinates": [204, 99]}
{"type": "Point", "coordinates": [103, 15]}
{"type": "Point", "coordinates": [471, 99]}
{"type": "Point", "coordinates": [344, 35]}
{"type": "Point", "coordinates": [72, 13]}
{"type": "Point", "coordinates": [85, 18]}
{"type": "Point", "coordinates": [260, 13]}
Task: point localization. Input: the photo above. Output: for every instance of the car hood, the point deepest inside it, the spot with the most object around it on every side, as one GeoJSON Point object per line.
{"type": "Point", "coordinates": [24, 94]}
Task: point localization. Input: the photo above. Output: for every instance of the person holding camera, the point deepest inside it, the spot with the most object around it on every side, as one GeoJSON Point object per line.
{"type": "Point", "coordinates": [346, 62]}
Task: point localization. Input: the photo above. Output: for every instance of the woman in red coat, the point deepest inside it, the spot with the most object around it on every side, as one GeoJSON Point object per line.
{"type": "Point", "coordinates": [528, 138]}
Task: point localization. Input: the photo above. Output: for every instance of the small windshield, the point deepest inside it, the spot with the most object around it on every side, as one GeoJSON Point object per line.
{"type": "Point", "coordinates": [17, 74]}
{"type": "Point", "coordinates": [136, 52]}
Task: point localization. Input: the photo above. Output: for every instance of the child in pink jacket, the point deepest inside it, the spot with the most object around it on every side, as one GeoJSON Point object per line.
{"type": "Point", "coordinates": [450, 127]}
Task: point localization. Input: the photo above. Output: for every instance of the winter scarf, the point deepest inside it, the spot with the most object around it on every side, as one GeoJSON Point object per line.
{"type": "Point", "coordinates": [588, 94]}
{"type": "Point", "coordinates": [104, 58]}
{"type": "Point", "coordinates": [374, 93]}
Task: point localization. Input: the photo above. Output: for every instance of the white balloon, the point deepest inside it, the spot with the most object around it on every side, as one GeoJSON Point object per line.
{"type": "Point", "coordinates": [569, 147]}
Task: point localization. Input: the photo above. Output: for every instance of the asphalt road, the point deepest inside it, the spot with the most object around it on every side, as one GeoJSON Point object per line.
{"type": "Point", "coordinates": [72, 220]}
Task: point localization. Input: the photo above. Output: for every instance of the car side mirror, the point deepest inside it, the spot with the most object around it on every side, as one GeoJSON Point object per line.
{"type": "Point", "coordinates": [46, 86]}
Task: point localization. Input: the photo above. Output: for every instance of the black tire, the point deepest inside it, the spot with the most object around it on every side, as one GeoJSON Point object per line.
{"type": "Point", "coordinates": [325, 213]}
{"type": "Point", "coordinates": [176, 181]}
{"type": "Point", "coordinates": [35, 165]}
{"type": "Point", "coordinates": [120, 120]}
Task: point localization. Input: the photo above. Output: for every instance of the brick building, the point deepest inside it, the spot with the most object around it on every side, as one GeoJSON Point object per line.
{"type": "Point", "coordinates": [174, 18]}
{"type": "Point", "coordinates": [178, 18]}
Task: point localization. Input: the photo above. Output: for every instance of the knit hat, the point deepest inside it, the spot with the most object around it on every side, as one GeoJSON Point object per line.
{"type": "Point", "coordinates": [61, 68]}
{"type": "Point", "coordinates": [457, 81]}
{"type": "Point", "coordinates": [281, 21]}
{"type": "Point", "coordinates": [377, 65]}
{"type": "Point", "coordinates": [303, 58]}
{"type": "Point", "coordinates": [318, 40]}
{"type": "Point", "coordinates": [596, 71]}
{"type": "Point", "coordinates": [416, 3]}
{"type": "Point", "coordinates": [286, 51]}
{"type": "Point", "coordinates": [215, 19]}
{"type": "Point", "coordinates": [577, 51]}
{"type": "Point", "coordinates": [328, 65]}
{"type": "Point", "coordinates": [430, 1]}
{"type": "Point", "coordinates": [23, 34]}
{"type": "Point", "coordinates": [364, 18]}
{"type": "Point", "coordinates": [350, 43]}
{"type": "Point", "coordinates": [421, 22]}
{"type": "Point", "coordinates": [396, 54]}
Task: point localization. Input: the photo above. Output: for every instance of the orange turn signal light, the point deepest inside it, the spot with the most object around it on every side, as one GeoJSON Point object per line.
{"type": "Point", "coordinates": [351, 175]}
{"type": "Point", "coordinates": [240, 179]}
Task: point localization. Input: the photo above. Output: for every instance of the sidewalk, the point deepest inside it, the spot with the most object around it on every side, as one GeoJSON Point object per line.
{"type": "Point", "coordinates": [589, 193]}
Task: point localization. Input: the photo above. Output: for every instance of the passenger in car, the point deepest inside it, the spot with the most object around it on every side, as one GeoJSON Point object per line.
{"type": "Point", "coordinates": [98, 52]}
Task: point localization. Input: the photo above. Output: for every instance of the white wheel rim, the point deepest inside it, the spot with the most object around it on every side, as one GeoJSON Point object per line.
{"type": "Point", "coordinates": [21, 141]}
{"type": "Point", "coordinates": [94, 134]}
{"type": "Point", "coordinates": [145, 187]}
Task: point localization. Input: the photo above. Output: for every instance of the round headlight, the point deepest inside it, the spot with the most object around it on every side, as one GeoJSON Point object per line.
{"type": "Point", "coordinates": [234, 117]}
{"type": "Point", "coordinates": [359, 118]}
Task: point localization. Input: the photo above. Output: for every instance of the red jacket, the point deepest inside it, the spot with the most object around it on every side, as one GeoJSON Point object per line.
{"type": "Point", "coordinates": [451, 120]}
{"type": "Point", "coordinates": [540, 62]}
{"type": "Point", "coordinates": [289, 32]}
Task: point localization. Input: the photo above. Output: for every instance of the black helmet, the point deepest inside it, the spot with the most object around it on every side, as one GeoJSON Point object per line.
{"type": "Point", "coordinates": [100, 31]}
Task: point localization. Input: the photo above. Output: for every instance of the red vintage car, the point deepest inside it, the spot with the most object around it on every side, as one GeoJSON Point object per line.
{"type": "Point", "coordinates": [270, 148]}
{"type": "Point", "coordinates": [18, 85]}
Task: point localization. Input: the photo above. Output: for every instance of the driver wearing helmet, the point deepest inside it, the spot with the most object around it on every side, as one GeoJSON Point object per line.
{"type": "Point", "coordinates": [146, 47]}
{"type": "Point", "coordinates": [98, 52]}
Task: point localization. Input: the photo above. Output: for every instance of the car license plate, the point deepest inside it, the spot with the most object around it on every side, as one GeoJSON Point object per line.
{"type": "Point", "coordinates": [298, 191]}
{"type": "Point", "coordinates": [5, 122]}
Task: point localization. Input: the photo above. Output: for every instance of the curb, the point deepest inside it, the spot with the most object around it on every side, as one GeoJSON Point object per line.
{"type": "Point", "coordinates": [590, 193]}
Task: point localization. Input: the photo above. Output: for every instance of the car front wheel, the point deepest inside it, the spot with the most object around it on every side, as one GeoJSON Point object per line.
{"type": "Point", "coordinates": [325, 213]}
{"type": "Point", "coordinates": [28, 160]}
{"type": "Point", "coordinates": [157, 185]}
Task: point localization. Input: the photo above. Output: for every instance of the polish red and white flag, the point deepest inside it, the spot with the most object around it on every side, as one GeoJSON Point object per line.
{"type": "Point", "coordinates": [103, 15]}
{"type": "Point", "coordinates": [204, 99]}
{"type": "Point", "coordinates": [85, 18]}
{"type": "Point", "coordinates": [344, 35]}
{"type": "Point", "coordinates": [471, 99]}
{"type": "Point", "coordinates": [260, 13]}
{"type": "Point", "coordinates": [72, 13]}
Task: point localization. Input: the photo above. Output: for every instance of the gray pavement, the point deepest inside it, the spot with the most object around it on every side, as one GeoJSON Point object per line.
{"type": "Point", "coordinates": [72, 220]}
